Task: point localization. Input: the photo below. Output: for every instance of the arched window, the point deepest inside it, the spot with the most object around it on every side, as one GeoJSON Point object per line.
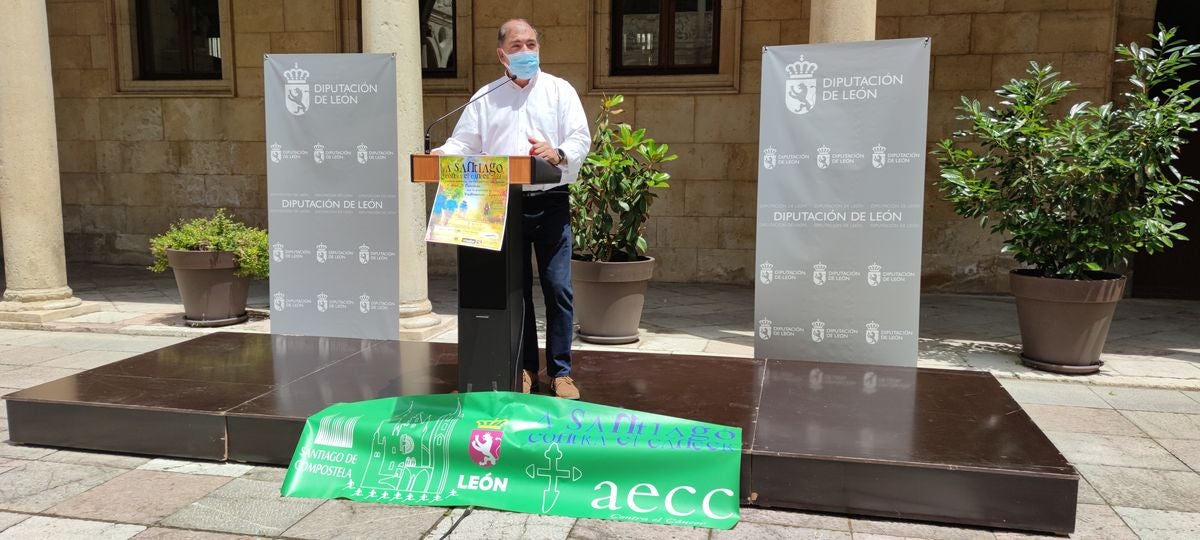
{"type": "Point", "coordinates": [438, 39]}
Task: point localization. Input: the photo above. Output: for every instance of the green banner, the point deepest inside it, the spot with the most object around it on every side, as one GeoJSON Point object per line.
{"type": "Point", "coordinates": [524, 453]}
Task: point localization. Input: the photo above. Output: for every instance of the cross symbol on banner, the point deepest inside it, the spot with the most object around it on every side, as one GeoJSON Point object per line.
{"type": "Point", "coordinates": [552, 473]}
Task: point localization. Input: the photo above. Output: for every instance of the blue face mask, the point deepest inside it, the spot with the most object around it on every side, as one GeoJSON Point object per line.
{"type": "Point", "coordinates": [524, 64]}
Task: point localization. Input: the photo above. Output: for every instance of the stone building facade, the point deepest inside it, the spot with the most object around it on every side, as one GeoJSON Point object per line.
{"type": "Point", "coordinates": [134, 159]}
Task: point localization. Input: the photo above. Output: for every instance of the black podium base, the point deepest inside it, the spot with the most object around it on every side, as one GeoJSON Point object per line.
{"type": "Point", "coordinates": [935, 445]}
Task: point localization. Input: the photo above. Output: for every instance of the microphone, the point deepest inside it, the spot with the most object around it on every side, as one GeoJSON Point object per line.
{"type": "Point", "coordinates": [429, 142]}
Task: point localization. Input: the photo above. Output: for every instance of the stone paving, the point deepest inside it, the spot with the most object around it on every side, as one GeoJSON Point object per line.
{"type": "Point", "coordinates": [1133, 430]}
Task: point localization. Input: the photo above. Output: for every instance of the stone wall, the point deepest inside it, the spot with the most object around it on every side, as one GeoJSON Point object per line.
{"type": "Point", "coordinates": [703, 227]}
{"type": "Point", "coordinates": [133, 164]}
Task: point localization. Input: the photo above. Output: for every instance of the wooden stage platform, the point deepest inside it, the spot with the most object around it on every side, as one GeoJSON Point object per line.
{"type": "Point", "coordinates": [923, 444]}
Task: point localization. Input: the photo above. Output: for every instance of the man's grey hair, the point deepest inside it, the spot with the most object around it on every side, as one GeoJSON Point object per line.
{"type": "Point", "coordinates": [503, 33]}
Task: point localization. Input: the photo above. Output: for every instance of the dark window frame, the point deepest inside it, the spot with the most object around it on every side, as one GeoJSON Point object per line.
{"type": "Point", "coordinates": [143, 40]}
{"type": "Point", "coordinates": [666, 50]}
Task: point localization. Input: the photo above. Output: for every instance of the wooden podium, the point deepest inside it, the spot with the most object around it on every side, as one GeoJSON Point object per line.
{"type": "Point", "coordinates": [490, 306]}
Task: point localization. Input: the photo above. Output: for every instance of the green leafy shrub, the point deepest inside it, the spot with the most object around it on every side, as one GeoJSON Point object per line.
{"type": "Point", "coordinates": [218, 233]}
{"type": "Point", "coordinates": [1082, 192]}
{"type": "Point", "coordinates": [611, 200]}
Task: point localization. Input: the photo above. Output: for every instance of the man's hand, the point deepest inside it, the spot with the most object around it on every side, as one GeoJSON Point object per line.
{"type": "Point", "coordinates": [435, 152]}
{"type": "Point", "coordinates": [544, 150]}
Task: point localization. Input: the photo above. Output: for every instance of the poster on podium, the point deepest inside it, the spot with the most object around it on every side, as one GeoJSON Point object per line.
{"type": "Point", "coordinates": [840, 197]}
{"type": "Point", "coordinates": [471, 202]}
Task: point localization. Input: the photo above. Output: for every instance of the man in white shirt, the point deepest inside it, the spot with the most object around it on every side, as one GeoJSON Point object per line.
{"type": "Point", "coordinates": [534, 113]}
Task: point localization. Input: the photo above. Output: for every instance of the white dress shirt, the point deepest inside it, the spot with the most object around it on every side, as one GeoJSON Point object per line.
{"type": "Point", "coordinates": [501, 124]}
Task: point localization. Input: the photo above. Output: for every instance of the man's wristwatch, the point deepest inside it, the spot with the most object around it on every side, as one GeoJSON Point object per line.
{"type": "Point", "coordinates": [562, 156]}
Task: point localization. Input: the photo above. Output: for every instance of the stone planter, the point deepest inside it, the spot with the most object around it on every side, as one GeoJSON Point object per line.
{"type": "Point", "coordinates": [212, 295]}
{"type": "Point", "coordinates": [1064, 322]}
{"type": "Point", "coordinates": [609, 297]}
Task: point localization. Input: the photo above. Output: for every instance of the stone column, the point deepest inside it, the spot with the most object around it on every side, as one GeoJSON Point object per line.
{"type": "Point", "coordinates": [833, 21]}
{"type": "Point", "coordinates": [31, 220]}
{"type": "Point", "coordinates": [391, 26]}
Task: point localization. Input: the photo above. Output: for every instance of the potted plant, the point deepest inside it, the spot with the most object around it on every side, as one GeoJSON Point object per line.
{"type": "Point", "coordinates": [213, 260]}
{"type": "Point", "coordinates": [1076, 194]}
{"type": "Point", "coordinates": [610, 203]}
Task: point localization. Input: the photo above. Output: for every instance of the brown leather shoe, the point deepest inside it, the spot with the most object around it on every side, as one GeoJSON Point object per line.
{"type": "Point", "coordinates": [526, 381]}
{"type": "Point", "coordinates": [564, 387]}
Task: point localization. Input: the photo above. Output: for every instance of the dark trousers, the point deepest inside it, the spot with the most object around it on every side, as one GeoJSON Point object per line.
{"type": "Point", "coordinates": [547, 233]}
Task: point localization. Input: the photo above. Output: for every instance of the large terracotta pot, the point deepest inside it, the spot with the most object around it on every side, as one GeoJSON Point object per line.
{"type": "Point", "coordinates": [1064, 322]}
{"type": "Point", "coordinates": [609, 297]}
{"type": "Point", "coordinates": [212, 295]}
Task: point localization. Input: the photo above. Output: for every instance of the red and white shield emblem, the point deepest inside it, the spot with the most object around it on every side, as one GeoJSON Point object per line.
{"type": "Point", "coordinates": [485, 446]}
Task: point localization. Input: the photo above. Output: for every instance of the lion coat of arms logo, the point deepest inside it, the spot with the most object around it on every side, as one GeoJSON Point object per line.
{"type": "Point", "coordinates": [800, 92]}
{"type": "Point", "coordinates": [818, 331]}
{"type": "Point", "coordinates": [823, 157]}
{"type": "Point", "coordinates": [766, 272]}
{"type": "Point", "coordinates": [769, 158]}
{"type": "Point", "coordinates": [485, 442]}
{"type": "Point", "coordinates": [874, 275]}
{"type": "Point", "coordinates": [295, 92]}
{"type": "Point", "coordinates": [872, 334]}
{"type": "Point", "coordinates": [764, 329]}
{"type": "Point", "coordinates": [364, 303]}
{"type": "Point", "coordinates": [819, 274]}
